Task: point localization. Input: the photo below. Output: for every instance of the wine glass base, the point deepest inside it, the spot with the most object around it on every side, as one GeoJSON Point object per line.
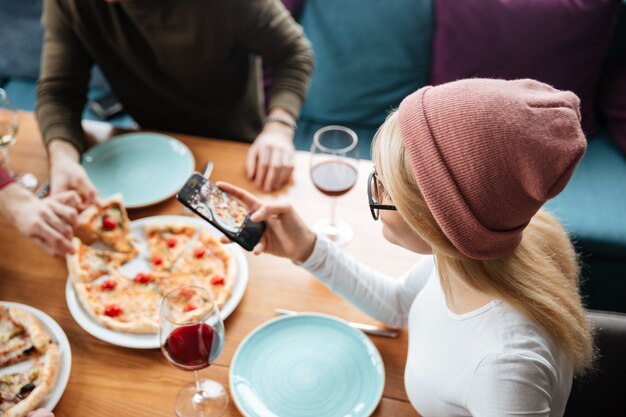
{"type": "Point", "coordinates": [340, 233]}
{"type": "Point", "coordinates": [212, 403]}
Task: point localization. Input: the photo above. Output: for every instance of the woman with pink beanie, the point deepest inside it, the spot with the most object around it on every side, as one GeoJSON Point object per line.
{"type": "Point", "coordinates": [495, 321]}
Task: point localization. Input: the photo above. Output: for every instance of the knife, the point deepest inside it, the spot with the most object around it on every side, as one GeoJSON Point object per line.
{"type": "Point", "coordinates": [366, 328]}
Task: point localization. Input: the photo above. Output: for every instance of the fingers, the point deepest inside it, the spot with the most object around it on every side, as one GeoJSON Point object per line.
{"type": "Point", "coordinates": [87, 191]}
{"type": "Point", "coordinates": [250, 201]}
{"type": "Point", "coordinates": [274, 172]}
{"type": "Point", "coordinates": [259, 248]}
{"type": "Point", "coordinates": [225, 240]}
{"type": "Point", "coordinates": [262, 166]}
{"type": "Point", "coordinates": [69, 198]}
{"type": "Point", "coordinates": [52, 241]}
{"type": "Point", "coordinates": [267, 211]}
{"type": "Point", "coordinates": [251, 160]}
{"type": "Point", "coordinates": [287, 164]}
{"type": "Point", "coordinates": [50, 217]}
{"type": "Point", "coordinates": [68, 214]}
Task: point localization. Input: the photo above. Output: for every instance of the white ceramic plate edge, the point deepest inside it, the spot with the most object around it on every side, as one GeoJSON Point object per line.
{"type": "Point", "coordinates": [65, 364]}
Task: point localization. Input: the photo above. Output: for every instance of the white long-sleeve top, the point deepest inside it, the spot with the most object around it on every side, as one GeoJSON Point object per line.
{"type": "Point", "coordinates": [492, 361]}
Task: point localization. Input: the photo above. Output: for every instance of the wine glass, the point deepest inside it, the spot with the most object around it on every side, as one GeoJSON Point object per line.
{"type": "Point", "coordinates": [191, 334]}
{"type": "Point", "coordinates": [9, 122]}
{"type": "Point", "coordinates": [334, 171]}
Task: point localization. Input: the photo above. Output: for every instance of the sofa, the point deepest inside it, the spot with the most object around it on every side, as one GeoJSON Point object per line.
{"type": "Point", "coordinates": [370, 54]}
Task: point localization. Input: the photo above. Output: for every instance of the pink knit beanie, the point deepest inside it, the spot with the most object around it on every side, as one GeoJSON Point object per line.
{"type": "Point", "coordinates": [486, 155]}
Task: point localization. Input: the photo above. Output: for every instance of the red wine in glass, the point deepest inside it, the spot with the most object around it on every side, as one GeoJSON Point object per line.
{"type": "Point", "coordinates": [192, 347]}
{"type": "Point", "coordinates": [334, 177]}
{"type": "Point", "coordinates": [192, 340]}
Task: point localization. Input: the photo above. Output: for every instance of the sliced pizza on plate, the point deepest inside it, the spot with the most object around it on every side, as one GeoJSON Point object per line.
{"type": "Point", "coordinates": [121, 303]}
{"type": "Point", "coordinates": [88, 263]}
{"type": "Point", "coordinates": [23, 341]}
{"type": "Point", "coordinates": [210, 264]}
{"type": "Point", "coordinates": [107, 222]}
{"type": "Point", "coordinates": [166, 241]}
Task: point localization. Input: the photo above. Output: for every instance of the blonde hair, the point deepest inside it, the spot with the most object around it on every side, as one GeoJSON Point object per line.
{"type": "Point", "coordinates": [540, 278]}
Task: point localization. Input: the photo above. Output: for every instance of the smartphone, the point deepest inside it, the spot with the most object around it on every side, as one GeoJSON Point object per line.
{"type": "Point", "coordinates": [106, 107]}
{"type": "Point", "coordinates": [223, 211]}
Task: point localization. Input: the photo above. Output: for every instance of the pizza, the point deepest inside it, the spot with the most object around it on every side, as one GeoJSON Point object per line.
{"type": "Point", "coordinates": [24, 342]}
{"type": "Point", "coordinates": [121, 303]}
{"type": "Point", "coordinates": [210, 265]}
{"type": "Point", "coordinates": [107, 222]}
{"type": "Point", "coordinates": [176, 253]}
{"type": "Point", "coordinates": [166, 242]}
{"type": "Point", "coordinates": [88, 263]}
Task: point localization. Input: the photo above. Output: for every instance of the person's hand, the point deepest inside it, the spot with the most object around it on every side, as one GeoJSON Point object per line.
{"type": "Point", "coordinates": [40, 412]}
{"type": "Point", "coordinates": [66, 173]}
{"type": "Point", "coordinates": [49, 222]}
{"type": "Point", "coordinates": [270, 158]}
{"type": "Point", "coordinates": [286, 234]}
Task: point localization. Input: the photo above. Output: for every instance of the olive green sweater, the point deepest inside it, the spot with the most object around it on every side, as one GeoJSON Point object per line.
{"type": "Point", "coordinates": [187, 66]}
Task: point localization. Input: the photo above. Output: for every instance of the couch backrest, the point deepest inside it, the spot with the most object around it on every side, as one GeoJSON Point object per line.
{"type": "Point", "coordinates": [369, 54]}
{"type": "Point", "coordinates": [21, 37]}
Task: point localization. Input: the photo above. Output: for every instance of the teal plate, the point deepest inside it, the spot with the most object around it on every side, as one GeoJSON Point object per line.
{"type": "Point", "coordinates": [146, 168]}
{"type": "Point", "coordinates": [308, 365]}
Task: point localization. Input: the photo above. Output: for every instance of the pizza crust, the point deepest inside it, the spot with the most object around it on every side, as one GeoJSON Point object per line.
{"type": "Point", "coordinates": [38, 336]}
{"type": "Point", "coordinates": [47, 376]}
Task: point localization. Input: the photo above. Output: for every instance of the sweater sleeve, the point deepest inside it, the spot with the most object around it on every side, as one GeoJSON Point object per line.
{"type": "Point", "coordinates": [383, 297]}
{"type": "Point", "coordinates": [5, 178]}
{"type": "Point", "coordinates": [65, 71]}
{"type": "Point", "coordinates": [266, 28]}
{"type": "Point", "coordinates": [512, 384]}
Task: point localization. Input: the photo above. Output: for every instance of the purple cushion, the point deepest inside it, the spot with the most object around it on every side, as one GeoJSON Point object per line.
{"type": "Point", "coordinates": [613, 103]}
{"type": "Point", "coordinates": [559, 42]}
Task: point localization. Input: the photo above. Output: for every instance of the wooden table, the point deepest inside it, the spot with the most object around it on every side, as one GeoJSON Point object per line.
{"type": "Point", "coordinates": [108, 380]}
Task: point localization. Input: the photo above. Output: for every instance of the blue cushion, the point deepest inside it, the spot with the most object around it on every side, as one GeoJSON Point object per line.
{"type": "Point", "coordinates": [307, 128]}
{"type": "Point", "coordinates": [593, 205]}
{"type": "Point", "coordinates": [369, 55]}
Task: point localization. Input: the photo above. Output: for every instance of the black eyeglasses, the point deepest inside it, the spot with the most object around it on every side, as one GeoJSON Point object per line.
{"type": "Point", "coordinates": [374, 197]}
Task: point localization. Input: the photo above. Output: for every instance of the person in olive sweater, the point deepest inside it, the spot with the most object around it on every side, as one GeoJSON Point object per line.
{"type": "Point", "coordinates": [187, 66]}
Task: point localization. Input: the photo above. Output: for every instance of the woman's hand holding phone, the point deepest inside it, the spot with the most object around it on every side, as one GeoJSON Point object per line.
{"type": "Point", "coordinates": [286, 234]}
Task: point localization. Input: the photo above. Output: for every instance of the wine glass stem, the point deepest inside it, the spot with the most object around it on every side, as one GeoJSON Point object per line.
{"type": "Point", "coordinates": [199, 396]}
{"type": "Point", "coordinates": [333, 212]}
{"type": "Point", "coordinates": [8, 166]}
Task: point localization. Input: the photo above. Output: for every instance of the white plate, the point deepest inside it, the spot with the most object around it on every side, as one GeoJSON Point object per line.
{"type": "Point", "coordinates": [65, 363]}
{"type": "Point", "coordinates": [140, 264]}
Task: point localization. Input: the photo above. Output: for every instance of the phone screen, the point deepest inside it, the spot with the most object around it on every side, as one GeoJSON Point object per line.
{"type": "Point", "coordinates": [215, 204]}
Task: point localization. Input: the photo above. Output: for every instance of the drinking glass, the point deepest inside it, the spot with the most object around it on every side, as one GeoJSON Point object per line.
{"type": "Point", "coordinates": [334, 171]}
{"type": "Point", "coordinates": [191, 334]}
{"type": "Point", "coordinates": [9, 122]}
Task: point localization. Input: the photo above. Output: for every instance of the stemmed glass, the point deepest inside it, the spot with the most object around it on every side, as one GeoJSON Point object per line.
{"type": "Point", "coordinates": [191, 334]}
{"type": "Point", "coordinates": [334, 171]}
{"type": "Point", "coordinates": [9, 122]}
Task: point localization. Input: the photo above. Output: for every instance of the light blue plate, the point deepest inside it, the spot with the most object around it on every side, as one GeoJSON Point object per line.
{"type": "Point", "coordinates": [306, 365]}
{"type": "Point", "coordinates": [146, 168]}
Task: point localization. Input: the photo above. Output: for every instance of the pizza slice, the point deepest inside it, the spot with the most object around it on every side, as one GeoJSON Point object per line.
{"type": "Point", "coordinates": [88, 264]}
{"type": "Point", "coordinates": [107, 222]}
{"type": "Point", "coordinates": [166, 241]}
{"type": "Point", "coordinates": [122, 304]}
{"type": "Point", "coordinates": [211, 265]}
{"type": "Point", "coordinates": [22, 392]}
{"type": "Point", "coordinates": [21, 336]}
